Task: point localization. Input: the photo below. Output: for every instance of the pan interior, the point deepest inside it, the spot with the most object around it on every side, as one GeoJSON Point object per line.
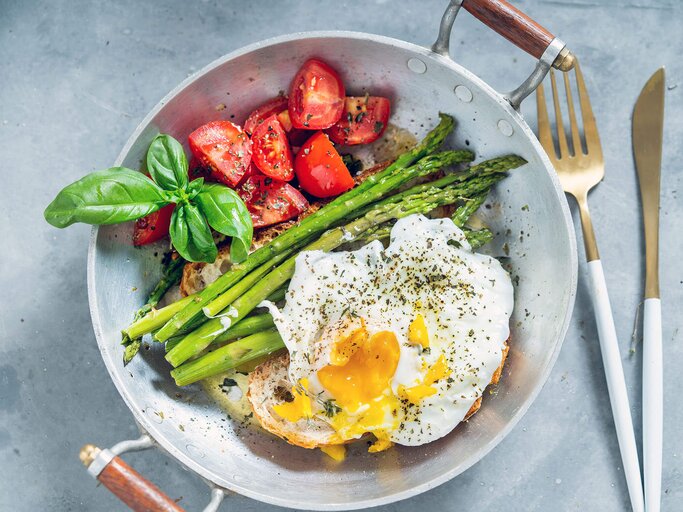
{"type": "Point", "coordinates": [528, 213]}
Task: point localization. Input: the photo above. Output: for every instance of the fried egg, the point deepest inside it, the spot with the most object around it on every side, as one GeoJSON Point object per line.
{"type": "Point", "coordinates": [397, 341]}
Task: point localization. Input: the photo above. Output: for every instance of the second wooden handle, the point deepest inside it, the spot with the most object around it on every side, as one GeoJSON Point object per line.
{"type": "Point", "coordinates": [134, 490]}
{"type": "Point", "coordinates": [512, 24]}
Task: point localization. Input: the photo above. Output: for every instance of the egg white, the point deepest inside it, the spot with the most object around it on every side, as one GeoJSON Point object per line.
{"type": "Point", "coordinates": [465, 298]}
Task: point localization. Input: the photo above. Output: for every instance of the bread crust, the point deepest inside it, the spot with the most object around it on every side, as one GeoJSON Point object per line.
{"type": "Point", "coordinates": [268, 385]}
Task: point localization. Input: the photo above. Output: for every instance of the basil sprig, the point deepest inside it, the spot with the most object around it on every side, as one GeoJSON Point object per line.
{"type": "Point", "coordinates": [120, 194]}
{"type": "Point", "coordinates": [221, 206]}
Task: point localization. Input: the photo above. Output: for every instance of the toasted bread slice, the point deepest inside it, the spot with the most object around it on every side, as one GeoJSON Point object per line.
{"type": "Point", "coordinates": [269, 386]}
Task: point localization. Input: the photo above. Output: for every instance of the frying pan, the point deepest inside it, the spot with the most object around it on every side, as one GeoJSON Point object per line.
{"type": "Point", "coordinates": [529, 212]}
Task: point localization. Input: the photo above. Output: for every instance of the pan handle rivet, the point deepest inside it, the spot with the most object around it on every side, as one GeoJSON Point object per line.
{"type": "Point", "coordinates": [505, 128]}
{"type": "Point", "coordinates": [416, 66]}
{"type": "Point", "coordinates": [463, 93]}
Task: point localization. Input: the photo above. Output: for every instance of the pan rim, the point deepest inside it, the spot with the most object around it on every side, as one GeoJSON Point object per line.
{"type": "Point", "coordinates": [169, 447]}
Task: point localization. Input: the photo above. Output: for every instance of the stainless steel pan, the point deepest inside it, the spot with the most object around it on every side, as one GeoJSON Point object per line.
{"type": "Point", "coordinates": [542, 254]}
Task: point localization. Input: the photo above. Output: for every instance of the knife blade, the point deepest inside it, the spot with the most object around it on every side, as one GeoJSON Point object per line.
{"type": "Point", "coordinates": [648, 128]}
{"type": "Point", "coordinates": [647, 134]}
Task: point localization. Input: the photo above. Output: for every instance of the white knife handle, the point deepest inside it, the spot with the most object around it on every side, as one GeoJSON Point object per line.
{"type": "Point", "coordinates": [653, 398]}
{"type": "Point", "coordinates": [616, 384]}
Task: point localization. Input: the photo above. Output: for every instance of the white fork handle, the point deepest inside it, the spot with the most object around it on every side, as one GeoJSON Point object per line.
{"type": "Point", "coordinates": [653, 403]}
{"type": "Point", "coordinates": [616, 384]}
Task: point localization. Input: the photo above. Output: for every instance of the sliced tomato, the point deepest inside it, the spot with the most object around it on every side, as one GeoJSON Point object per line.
{"type": "Point", "coordinates": [271, 151]}
{"type": "Point", "coordinates": [253, 171]}
{"type": "Point", "coordinates": [296, 137]}
{"type": "Point", "coordinates": [285, 121]}
{"type": "Point", "coordinates": [274, 106]}
{"type": "Point", "coordinates": [271, 201]}
{"type": "Point", "coordinates": [224, 148]}
{"type": "Point", "coordinates": [363, 121]}
{"type": "Point", "coordinates": [316, 96]}
{"type": "Point", "coordinates": [319, 168]}
{"type": "Point", "coordinates": [153, 227]}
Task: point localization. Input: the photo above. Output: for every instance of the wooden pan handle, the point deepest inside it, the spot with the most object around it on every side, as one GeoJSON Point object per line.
{"type": "Point", "coordinates": [512, 24]}
{"type": "Point", "coordinates": [128, 485]}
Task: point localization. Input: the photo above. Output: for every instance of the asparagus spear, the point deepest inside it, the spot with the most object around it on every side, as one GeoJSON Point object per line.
{"type": "Point", "coordinates": [370, 190]}
{"type": "Point", "coordinates": [155, 319]}
{"type": "Point", "coordinates": [422, 202]}
{"type": "Point", "coordinates": [379, 232]}
{"type": "Point", "coordinates": [227, 357]}
{"type": "Point", "coordinates": [465, 211]}
{"type": "Point", "coordinates": [476, 238]}
{"type": "Point", "coordinates": [246, 327]}
{"type": "Point", "coordinates": [172, 272]}
{"type": "Point", "coordinates": [479, 237]}
{"type": "Point", "coordinates": [489, 167]}
{"type": "Point", "coordinates": [131, 350]}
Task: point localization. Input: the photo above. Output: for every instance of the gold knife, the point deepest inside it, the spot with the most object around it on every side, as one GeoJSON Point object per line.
{"type": "Point", "coordinates": [647, 133]}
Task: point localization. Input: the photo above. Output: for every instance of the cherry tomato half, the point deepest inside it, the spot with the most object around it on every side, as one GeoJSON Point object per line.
{"type": "Point", "coordinates": [252, 171]}
{"type": "Point", "coordinates": [271, 201]}
{"type": "Point", "coordinates": [363, 121]}
{"type": "Point", "coordinates": [319, 168]}
{"type": "Point", "coordinates": [296, 137]}
{"type": "Point", "coordinates": [316, 96]}
{"type": "Point", "coordinates": [224, 148]}
{"type": "Point", "coordinates": [152, 227]}
{"type": "Point", "coordinates": [271, 151]}
{"type": "Point", "coordinates": [270, 107]}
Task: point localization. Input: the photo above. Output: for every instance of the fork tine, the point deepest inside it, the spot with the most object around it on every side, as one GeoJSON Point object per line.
{"type": "Point", "coordinates": [574, 126]}
{"type": "Point", "coordinates": [544, 134]}
{"type": "Point", "coordinates": [561, 136]}
{"type": "Point", "coordinates": [590, 129]}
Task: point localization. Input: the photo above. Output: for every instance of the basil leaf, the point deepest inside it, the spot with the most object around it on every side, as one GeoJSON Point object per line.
{"type": "Point", "coordinates": [227, 214]}
{"type": "Point", "coordinates": [194, 188]}
{"type": "Point", "coordinates": [191, 235]}
{"type": "Point", "coordinates": [111, 196]}
{"type": "Point", "coordinates": [167, 163]}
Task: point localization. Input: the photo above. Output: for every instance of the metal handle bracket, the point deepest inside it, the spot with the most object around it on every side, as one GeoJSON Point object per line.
{"type": "Point", "coordinates": [555, 55]}
{"type": "Point", "coordinates": [96, 460]}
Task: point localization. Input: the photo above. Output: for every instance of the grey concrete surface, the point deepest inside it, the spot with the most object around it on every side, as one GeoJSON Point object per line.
{"type": "Point", "coordinates": [76, 77]}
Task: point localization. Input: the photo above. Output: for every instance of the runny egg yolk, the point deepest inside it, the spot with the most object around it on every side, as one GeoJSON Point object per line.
{"type": "Point", "coordinates": [438, 370]}
{"type": "Point", "coordinates": [298, 408]}
{"type": "Point", "coordinates": [367, 371]}
{"type": "Point", "coordinates": [336, 451]}
{"type": "Point", "coordinates": [361, 386]}
{"type": "Point", "coordinates": [417, 332]}
{"type": "Point", "coordinates": [382, 443]}
{"type": "Point", "coordinates": [345, 348]}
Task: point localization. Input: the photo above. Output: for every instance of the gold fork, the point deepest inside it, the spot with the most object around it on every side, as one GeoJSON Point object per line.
{"type": "Point", "coordinates": [579, 172]}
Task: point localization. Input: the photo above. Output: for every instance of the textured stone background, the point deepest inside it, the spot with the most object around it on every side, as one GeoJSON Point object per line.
{"type": "Point", "coordinates": [76, 77]}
